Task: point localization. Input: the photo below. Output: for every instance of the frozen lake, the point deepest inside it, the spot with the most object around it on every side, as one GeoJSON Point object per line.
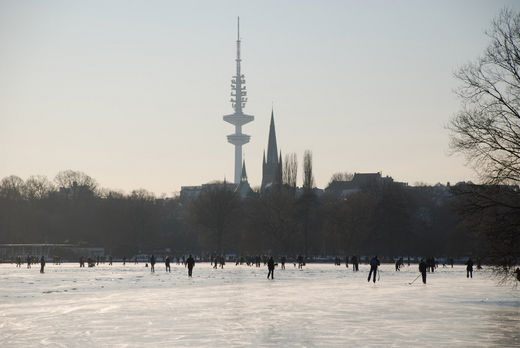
{"type": "Point", "coordinates": [323, 305]}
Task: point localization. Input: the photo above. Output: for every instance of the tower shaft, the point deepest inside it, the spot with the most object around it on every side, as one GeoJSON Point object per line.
{"type": "Point", "coordinates": [238, 159]}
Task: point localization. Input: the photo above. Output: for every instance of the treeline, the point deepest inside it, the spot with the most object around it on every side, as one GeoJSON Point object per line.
{"type": "Point", "coordinates": [73, 209]}
{"type": "Point", "coordinates": [390, 220]}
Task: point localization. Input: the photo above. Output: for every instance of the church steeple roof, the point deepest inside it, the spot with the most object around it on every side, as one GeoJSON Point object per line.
{"type": "Point", "coordinates": [244, 174]}
{"type": "Point", "coordinates": [243, 188]}
{"type": "Point", "coordinates": [272, 150]}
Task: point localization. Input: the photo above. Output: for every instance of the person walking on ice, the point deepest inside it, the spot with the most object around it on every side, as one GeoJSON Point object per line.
{"type": "Point", "coordinates": [42, 264]}
{"type": "Point", "coordinates": [167, 263]}
{"type": "Point", "coordinates": [300, 262]}
{"type": "Point", "coordinates": [270, 267]}
{"type": "Point", "coordinates": [355, 263]}
{"type": "Point", "coordinates": [374, 263]}
{"type": "Point", "coordinates": [152, 263]}
{"type": "Point", "coordinates": [190, 262]}
{"type": "Point", "coordinates": [422, 269]}
{"type": "Point", "coordinates": [469, 268]}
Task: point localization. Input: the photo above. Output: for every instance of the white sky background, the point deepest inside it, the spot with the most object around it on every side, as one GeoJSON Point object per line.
{"type": "Point", "coordinates": [133, 92]}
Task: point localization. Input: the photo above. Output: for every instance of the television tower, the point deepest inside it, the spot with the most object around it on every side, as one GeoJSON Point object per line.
{"type": "Point", "coordinates": [238, 118]}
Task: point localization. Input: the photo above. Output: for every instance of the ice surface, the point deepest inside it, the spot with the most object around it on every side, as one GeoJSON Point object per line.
{"type": "Point", "coordinates": [322, 305]}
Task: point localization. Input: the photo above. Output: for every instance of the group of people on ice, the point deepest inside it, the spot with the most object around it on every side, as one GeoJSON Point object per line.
{"type": "Point", "coordinates": [425, 266]}
{"type": "Point", "coordinates": [189, 263]}
{"type": "Point", "coordinates": [32, 260]}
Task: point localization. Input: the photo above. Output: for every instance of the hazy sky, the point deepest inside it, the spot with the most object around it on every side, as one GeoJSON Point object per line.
{"type": "Point", "coordinates": [133, 92]}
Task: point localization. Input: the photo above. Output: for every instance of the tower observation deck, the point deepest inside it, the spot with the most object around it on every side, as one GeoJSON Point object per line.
{"type": "Point", "coordinates": [238, 118]}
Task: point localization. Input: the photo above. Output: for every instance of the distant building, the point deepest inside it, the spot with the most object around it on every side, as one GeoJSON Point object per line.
{"type": "Point", "coordinates": [360, 182]}
{"type": "Point", "coordinates": [189, 193]}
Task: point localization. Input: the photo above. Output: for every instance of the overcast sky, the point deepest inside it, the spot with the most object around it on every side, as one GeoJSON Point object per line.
{"type": "Point", "coordinates": [133, 92]}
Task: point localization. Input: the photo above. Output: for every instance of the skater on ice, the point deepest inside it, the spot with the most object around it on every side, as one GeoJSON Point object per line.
{"type": "Point", "coordinates": [374, 263]}
{"type": "Point", "coordinates": [422, 269]}
{"type": "Point", "coordinates": [300, 262]}
{"type": "Point", "coordinates": [270, 267]}
{"type": "Point", "coordinates": [469, 268]}
{"type": "Point", "coordinates": [152, 263]}
{"type": "Point", "coordinates": [190, 262]}
{"type": "Point", "coordinates": [355, 263]}
{"type": "Point", "coordinates": [167, 263]}
{"type": "Point", "coordinates": [42, 264]}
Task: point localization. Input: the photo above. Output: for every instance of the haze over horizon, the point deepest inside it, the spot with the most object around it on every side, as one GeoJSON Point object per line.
{"type": "Point", "coordinates": [133, 93]}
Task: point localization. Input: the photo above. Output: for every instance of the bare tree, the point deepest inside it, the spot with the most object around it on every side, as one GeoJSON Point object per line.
{"type": "Point", "coordinates": [290, 170]}
{"type": "Point", "coordinates": [37, 187]}
{"type": "Point", "coordinates": [345, 176]}
{"type": "Point", "coordinates": [69, 178]}
{"type": "Point", "coordinates": [308, 177]}
{"type": "Point", "coordinates": [142, 194]}
{"type": "Point", "coordinates": [216, 209]}
{"type": "Point", "coordinates": [307, 202]}
{"type": "Point", "coordinates": [487, 131]}
{"type": "Point", "coordinates": [12, 187]}
{"type": "Point", "coordinates": [487, 128]}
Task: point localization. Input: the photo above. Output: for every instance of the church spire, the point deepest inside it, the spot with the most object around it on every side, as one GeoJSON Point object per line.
{"type": "Point", "coordinates": [272, 150]}
{"type": "Point", "coordinates": [271, 166]}
{"type": "Point", "coordinates": [244, 174]}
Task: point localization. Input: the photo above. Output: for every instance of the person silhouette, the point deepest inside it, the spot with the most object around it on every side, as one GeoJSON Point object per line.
{"type": "Point", "coordinates": [300, 262]}
{"type": "Point", "coordinates": [469, 268]}
{"type": "Point", "coordinates": [422, 269]}
{"type": "Point", "coordinates": [190, 262]}
{"type": "Point", "coordinates": [374, 263]}
{"type": "Point", "coordinates": [167, 263]}
{"type": "Point", "coordinates": [42, 264]}
{"type": "Point", "coordinates": [270, 267]}
{"type": "Point", "coordinates": [355, 263]}
{"type": "Point", "coordinates": [152, 263]}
